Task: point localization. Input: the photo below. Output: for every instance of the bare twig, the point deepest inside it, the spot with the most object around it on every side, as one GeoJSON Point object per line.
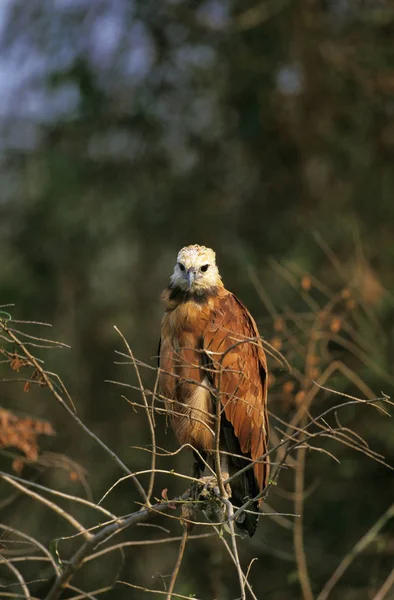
{"type": "Point", "coordinates": [230, 553]}
{"type": "Point", "coordinates": [120, 525]}
{"type": "Point", "coordinates": [354, 552]}
{"type": "Point", "coordinates": [385, 588]}
{"type": "Point", "coordinates": [144, 589]}
{"type": "Point", "coordinates": [76, 524]}
{"type": "Point", "coordinates": [47, 380]}
{"type": "Point", "coordinates": [175, 573]}
{"type": "Point", "coordinates": [18, 576]}
{"type": "Point", "coordinates": [298, 532]}
{"type": "Point", "coordinates": [230, 521]}
{"type": "Point", "coordinates": [305, 338]}
{"type": "Point", "coordinates": [149, 414]}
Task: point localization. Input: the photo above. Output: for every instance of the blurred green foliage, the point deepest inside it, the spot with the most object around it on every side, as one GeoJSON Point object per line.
{"type": "Point", "coordinates": [131, 128]}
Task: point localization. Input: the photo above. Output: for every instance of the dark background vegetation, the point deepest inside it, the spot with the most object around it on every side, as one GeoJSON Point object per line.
{"type": "Point", "coordinates": [131, 128]}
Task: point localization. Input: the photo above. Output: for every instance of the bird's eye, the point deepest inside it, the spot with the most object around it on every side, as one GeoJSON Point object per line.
{"type": "Point", "coordinates": [181, 266]}
{"type": "Point", "coordinates": [204, 268]}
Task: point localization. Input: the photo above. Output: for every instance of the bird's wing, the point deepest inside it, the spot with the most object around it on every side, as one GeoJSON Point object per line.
{"type": "Point", "coordinates": [158, 353]}
{"type": "Point", "coordinates": [238, 371]}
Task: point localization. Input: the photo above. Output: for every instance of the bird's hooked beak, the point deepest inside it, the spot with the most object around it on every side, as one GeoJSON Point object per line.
{"type": "Point", "coordinates": [191, 275]}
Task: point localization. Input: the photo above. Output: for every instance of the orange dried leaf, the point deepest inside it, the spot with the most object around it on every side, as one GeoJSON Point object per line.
{"type": "Point", "coordinates": [27, 386]}
{"type": "Point", "coordinates": [312, 359]}
{"type": "Point", "coordinates": [17, 465]}
{"type": "Point", "coordinates": [314, 373]}
{"type": "Point", "coordinates": [46, 428]}
{"type": "Point", "coordinates": [350, 304]}
{"type": "Point", "coordinates": [306, 283]}
{"type": "Point", "coordinates": [336, 324]}
{"type": "Point", "coordinates": [276, 343]}
{"type": "Point", "coordinates": [164, 495]}
{"type": "Point", "coordinates": [279, 324]}
{"type": "Point", "coordinates": [16, 363]}
{"type": "Point", "coordinates": [288, 387]}
{"type": "Point", "coordinates": [300, 397]}
{"type": "Point", "coordinates": [22, 433]}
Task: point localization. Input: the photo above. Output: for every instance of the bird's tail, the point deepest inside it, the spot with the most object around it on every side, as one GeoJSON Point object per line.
{"type": "Point", "coordinates": [242, 488]}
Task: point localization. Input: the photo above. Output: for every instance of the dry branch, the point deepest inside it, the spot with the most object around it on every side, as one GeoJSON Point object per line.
{"type": "Point", "coordinates": [304, 337]}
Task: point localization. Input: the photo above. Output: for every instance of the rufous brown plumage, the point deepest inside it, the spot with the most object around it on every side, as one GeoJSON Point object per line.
{"type": "Point", "coordinates": [210, 349]}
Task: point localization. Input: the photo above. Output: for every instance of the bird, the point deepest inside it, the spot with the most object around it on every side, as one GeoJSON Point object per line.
{"type": "Point", "coordinates": [210, 351]}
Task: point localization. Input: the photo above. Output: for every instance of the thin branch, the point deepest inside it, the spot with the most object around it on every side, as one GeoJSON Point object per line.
{"type": "Point", "coordinates": [77, 559]}
{"type": "Point", "coordinates": [385, 588]}
{"type": "Point", "coordinates": [148, 413]}
{"type": "Point", "coordinates": [18, 576]}
{"type": "Point", "coordinates": [144, 543]}
{"type": "Point", "coordinates": [76, 524]}
{"type": "Point", "coordinates": [81, 595]}
{"type": "Point", "coordinates": [355, 551]}
{"type": "Point", "coordinates": [60, 494]}
{"type": "Point", "coordinates": [144, 589]}
{"type": "Point", "coordinates": [298, 532]}
{"type": "Point", "coordinates": [34, 542]}
{"type": "Point", "coordinates": [178, 563]}
{"type": "Point", "coordinates": [46, 378]}
{"type": "Point", "coordinates": [231, 555]}
{"type": "Point", "coordinates": [230, 522]}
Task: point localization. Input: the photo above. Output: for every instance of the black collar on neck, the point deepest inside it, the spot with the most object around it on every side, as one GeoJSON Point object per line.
{"type": "Point", "coordinates": [200, 297]}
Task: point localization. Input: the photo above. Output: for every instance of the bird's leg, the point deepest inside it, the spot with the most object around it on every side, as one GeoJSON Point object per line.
{"type": "Point", "coordinates": [196, 473]}
{"type": "Point", "coordinates": [225, 472]}
{"type": "Point", "coordinates": [201, 472]}
{"type": "Point", "coordinates": [205, 489]}
{"type": "Point", "coordinates": [205, 475]}
{"type": "Point", "coordinates": [209, 481]}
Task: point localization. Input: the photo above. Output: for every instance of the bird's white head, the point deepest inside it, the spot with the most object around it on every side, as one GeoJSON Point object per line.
{"type": "Point", "coordinates": [195, 270]}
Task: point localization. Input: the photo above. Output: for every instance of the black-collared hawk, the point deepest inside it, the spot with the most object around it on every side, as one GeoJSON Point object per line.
{"type": "Point", "coordinates": [210, 351]}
